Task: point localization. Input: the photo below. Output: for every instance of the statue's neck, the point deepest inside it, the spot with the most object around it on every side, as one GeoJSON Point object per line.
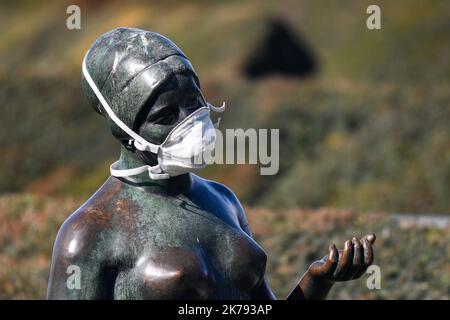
{"type": "Point", "coordinates": [132, 159]}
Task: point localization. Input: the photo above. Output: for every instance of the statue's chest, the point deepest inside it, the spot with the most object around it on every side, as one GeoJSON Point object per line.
{"type": "Point", "coordinates": [191, 254]}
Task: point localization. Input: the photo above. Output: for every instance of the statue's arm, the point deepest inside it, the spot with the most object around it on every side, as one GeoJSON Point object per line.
{"type": "Point", "coordinates": [338, 265]}
{"type": "Point", "coordinates": [75, 274]}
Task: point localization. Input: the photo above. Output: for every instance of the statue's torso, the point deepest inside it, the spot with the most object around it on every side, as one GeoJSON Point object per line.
{"type": "Point", "coordinates": [187, 246]}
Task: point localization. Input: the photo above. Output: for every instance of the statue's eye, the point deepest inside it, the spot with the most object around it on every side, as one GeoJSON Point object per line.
{"type": "Point", "coordinates": [192, 101]}
{"type": "Point", "coordinates": [191, 108]}
{"type": "Point", "coordinates": [165, 116]}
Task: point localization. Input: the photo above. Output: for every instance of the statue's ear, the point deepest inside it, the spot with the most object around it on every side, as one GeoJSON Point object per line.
{"type": "Point", "coordinates": [128, 144]}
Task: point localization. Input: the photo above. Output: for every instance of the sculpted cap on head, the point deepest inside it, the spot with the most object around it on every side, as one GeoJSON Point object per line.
{"type": "Point", "coordinates": [128, 65]}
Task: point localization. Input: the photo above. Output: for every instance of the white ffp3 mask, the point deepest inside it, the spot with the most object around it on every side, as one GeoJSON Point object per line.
{"type": "Point", "coordinates": [187, 147]}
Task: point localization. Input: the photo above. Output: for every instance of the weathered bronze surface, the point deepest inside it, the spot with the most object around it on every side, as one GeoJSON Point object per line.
{"type": "Point", "coordinates": [181, 238]}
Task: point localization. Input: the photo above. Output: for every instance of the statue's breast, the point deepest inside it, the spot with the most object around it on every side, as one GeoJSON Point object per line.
{"type": "Point", "coordinates": [172, 273]}
{"type": "Point", "coordinates": [229, 266]}
{"type": "Point", "coordinates": [240, 260]}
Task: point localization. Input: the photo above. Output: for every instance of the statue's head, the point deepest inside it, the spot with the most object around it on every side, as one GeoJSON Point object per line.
{"type": "Point", "coordinates": [146, 79]}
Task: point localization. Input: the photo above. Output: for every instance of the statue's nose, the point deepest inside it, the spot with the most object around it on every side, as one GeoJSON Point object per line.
{"type": "Point", "coordinates": [188, 110]}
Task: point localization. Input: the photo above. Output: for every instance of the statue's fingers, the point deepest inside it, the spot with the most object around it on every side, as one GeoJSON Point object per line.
{"type": "Point", "coordinates": [345, 261]}
{"type": "Point", "coordinates": [358, 257]}
{"type": "Point", "coordinates": [368, 253]}
{"type": "Point", "coordinates": [328, 268]}
{"type": "Point", "coordinates": [368, 257]}
{"type": "Point", "coordinates": [371, 237]}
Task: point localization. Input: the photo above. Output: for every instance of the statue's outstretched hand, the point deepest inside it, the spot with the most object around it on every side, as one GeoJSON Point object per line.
{"type": "Point", "coordinates": [347, 264]}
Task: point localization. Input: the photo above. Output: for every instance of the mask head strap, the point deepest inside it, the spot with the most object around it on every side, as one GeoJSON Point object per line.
{"type": "Point", "coordinates": [154, 172]}
{"type": "Point", "coordinates": [139, 142]}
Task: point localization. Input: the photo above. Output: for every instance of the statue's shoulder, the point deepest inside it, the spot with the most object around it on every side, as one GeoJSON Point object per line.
{"type": "Point", "coordinates": [83, 230]}
{"type": "Point", "coordinates": [218, 188]}
{"type": "Point", "coordinates": [227, 194]}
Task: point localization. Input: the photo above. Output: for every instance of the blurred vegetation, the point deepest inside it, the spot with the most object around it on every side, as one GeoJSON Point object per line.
{"type": "Point", "coordinates": [413, 260]}
{"type": "Point", "coordinates": [368, 132]}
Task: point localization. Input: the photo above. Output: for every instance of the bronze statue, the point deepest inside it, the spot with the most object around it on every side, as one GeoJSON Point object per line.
{"type": "Point", "coordinates": [160, 231]}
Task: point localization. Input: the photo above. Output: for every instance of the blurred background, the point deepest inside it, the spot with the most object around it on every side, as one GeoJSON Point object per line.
{"type": "Point", "coordinates": [363, 116]}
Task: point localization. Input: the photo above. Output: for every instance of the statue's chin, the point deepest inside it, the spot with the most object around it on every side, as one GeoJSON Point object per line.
{"type": "Point", "coordinates": [148, 158]}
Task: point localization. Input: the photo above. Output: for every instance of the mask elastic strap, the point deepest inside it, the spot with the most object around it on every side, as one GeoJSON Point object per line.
{"type": "Point", "coordinates": [139, 142]}
{"type": "Point", "coordinates": [126, 172]}
{"type": "Point", "coordinates": [155, 172]}
{"type": "Point", "coordinates": [217, 124]}
{"type": "Point", "coordinates": [213, 108]}
{"type": "Point", "coordinates": [216, 109]}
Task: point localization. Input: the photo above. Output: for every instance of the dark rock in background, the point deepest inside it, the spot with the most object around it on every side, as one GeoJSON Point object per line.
{"type": "Point", "coordinates": [280, 52]}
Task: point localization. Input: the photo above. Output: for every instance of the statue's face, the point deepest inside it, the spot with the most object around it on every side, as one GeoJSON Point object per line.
{"type": "Point", "coordinates": [178, 98]}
